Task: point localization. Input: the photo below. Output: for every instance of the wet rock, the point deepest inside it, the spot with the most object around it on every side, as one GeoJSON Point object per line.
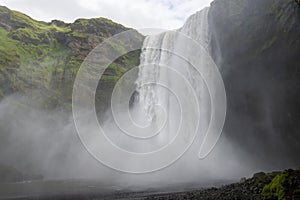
{"type": "Point", "coordinates": [9, 174]}
{"type": "Point", "coordinates": [243, 180]}
{"type": "Point", "coordinates": [259, 174]}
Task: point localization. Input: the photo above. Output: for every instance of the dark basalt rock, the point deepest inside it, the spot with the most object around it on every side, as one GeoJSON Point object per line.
{"type": "Point", "coordinates": [256, 45]}
{"type": "Point", "coordinates": [59, 23]}
{"type": "Point", "coordinates": [9, 174]}
{"type": "Point", "coordinates": [257, 187]}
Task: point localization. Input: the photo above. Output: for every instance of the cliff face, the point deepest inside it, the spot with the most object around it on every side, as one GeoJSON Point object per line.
{"type": "Point", "coordinates": [256, 43]}
{"type": "Point", "coordinates": [43, 58]}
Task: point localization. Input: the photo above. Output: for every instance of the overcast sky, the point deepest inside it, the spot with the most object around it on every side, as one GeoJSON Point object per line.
{"type": "Point", "coordinates": [165, 14]}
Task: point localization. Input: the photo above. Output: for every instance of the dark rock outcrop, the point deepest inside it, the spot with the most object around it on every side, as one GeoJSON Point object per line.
{"type": "Point", "coordinates": [262, 186]}
{"type": "Point", "coordinates": [256, 43]}
{"type": "Point", "coordinates": [9, 174]}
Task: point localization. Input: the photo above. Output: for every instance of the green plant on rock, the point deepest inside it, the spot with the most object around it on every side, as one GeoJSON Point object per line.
{"type": "Point", "coordinates": [285, 186]}
{"type": "Point", "coordinates": [297, 2]}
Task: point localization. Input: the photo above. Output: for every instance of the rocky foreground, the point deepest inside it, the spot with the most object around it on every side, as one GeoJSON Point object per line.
{"type": "Point", "coordinates": [275, 185]}
{"type": "Point", "coordinates": [283, 185]}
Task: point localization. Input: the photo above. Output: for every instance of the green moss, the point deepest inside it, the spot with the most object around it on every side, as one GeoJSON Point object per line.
{"type": "Point", "coordinates": [285, 186]}
{"type": "Point", "coordinates": [8, 49]}
{"type": "Point", "coordinates": [25, 35]}
{"type": "Point", "coordinates": [86, 22]}
{"type": "Point", "coordinates": [79, 35]}
{"type": "Point", "coordinates": [21, 21]}
{"type": "Point", "coordinates": [117, 47]}
{"type": "Point", "coordinates": [45, 57]}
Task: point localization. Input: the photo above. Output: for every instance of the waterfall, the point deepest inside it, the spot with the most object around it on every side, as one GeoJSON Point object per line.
{"type": "Point", "coordinates": [157, 52]}
{"type": "Point", "coordinates": [179, 101]}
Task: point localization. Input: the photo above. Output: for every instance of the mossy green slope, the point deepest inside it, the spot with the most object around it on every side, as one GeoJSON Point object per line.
{"type": "Point", "coordinates": [45, 57]}
{"type": "Point", "coordinates": [285, 186]}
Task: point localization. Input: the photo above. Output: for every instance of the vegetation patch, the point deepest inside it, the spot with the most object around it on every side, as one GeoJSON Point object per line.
{"type": "Point", "coordinates": [285, 186]}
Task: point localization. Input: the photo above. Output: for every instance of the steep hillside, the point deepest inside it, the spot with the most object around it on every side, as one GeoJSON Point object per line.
{"type": "Point", "coordinates": [41, 59]}
{"type": "Point", "coordinates": [256, 43]}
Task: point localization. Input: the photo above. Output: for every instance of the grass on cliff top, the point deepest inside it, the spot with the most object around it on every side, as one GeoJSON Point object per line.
{"type": "Point", "coordinates": [85, 22]}
{"type": "Point", "coordinates": [27, 21]}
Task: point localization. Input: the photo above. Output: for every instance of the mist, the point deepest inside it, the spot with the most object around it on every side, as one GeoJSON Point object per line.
{"type": "Point", "coordinates": [253, 94]}
{"type": "Point", "coordinates": [37, 141]}
{"type": "Point", "coordinates": [40, 141]}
